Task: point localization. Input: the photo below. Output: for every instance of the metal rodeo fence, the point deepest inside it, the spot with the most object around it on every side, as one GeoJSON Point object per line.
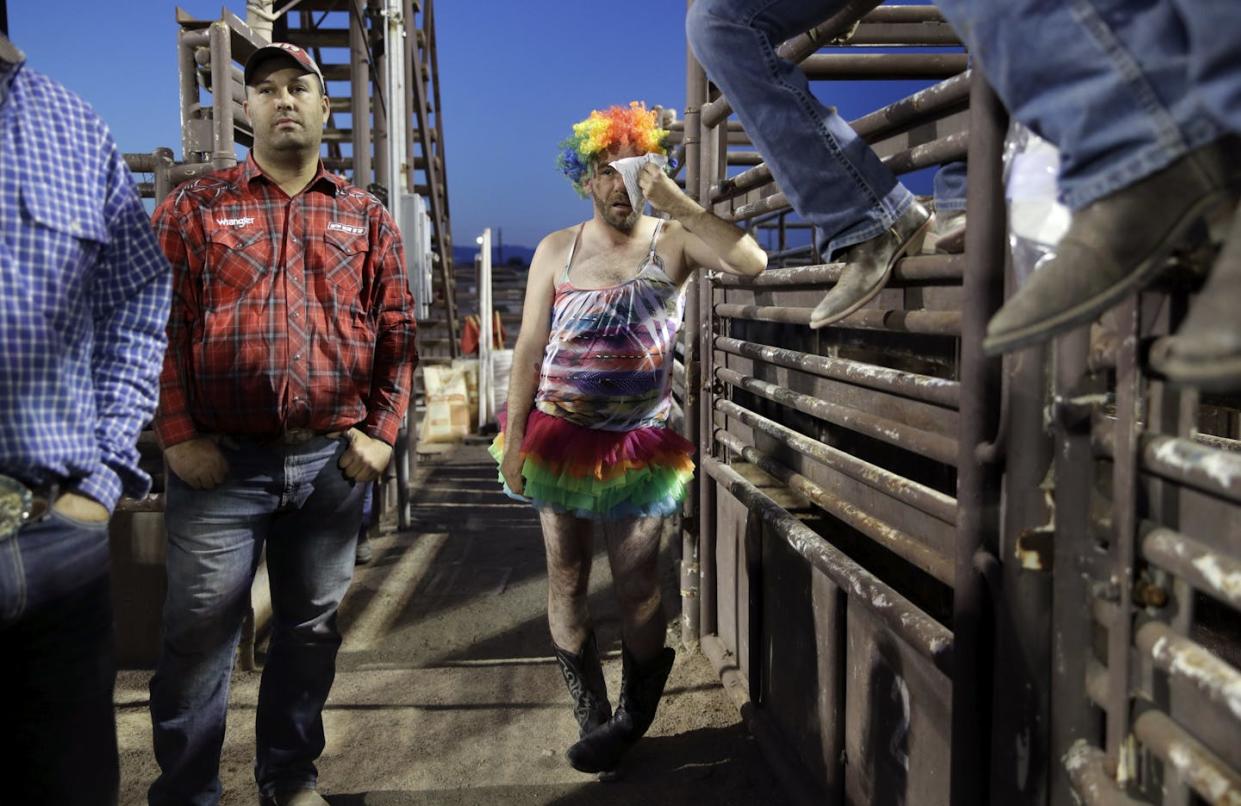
{"type": "Point", "coordinates": [928, 576]}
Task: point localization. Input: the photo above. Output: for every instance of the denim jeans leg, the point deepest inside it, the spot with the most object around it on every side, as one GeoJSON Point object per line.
{"type": "Point", "coordinates": [215, 538]}
{"type": "Point", "coordinates": [310, 559]}
{"type": "Point", "coordinates": [831, 176]}
{"type": "Point", "coordinates": [58, 742]}
{"type": "Point", "coordinates": [1108, 85]}
{"type": "Point", "coordinates": [1214, 29]}
{"type": "Point", "coordinates": [949, 187]}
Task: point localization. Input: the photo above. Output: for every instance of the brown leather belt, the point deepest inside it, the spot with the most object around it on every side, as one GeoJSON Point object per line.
{"type": "Point", "coordinates": [291, 437]}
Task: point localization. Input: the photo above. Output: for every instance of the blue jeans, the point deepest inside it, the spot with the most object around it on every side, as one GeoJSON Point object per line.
{"type": "Point", "coordinates": [831, 176]}
{"type": "Point", "coordinates": [57, 667]}
{"type": "Point", "coordinates": [1122, 87]}
{"type": "Point", "coordinates": [297, 502]}
{"type": "Point", "coordinates": [949, 186]}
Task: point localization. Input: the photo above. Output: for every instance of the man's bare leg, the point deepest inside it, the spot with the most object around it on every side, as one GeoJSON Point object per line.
{"type": "Point", "coordinates": [633, 552]}
{"type": "Point", "coordinates": [569, 546]}
{"type": "Point", "coordinates": [568, 543]}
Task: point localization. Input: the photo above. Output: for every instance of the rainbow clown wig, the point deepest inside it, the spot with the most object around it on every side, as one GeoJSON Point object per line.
{"type": "Point", "coordinates": [605, 130]}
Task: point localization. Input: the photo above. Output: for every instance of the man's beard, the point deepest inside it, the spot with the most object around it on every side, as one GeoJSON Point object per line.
{"type": "Point", "coordinates": [614, 218]}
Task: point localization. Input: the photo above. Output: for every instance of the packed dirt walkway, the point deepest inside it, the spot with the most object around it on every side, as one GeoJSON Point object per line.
{"type": "Point", "coordinates": [446, 691]}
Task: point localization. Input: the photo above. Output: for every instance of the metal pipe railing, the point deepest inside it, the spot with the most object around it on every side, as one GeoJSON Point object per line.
{"type": "Point", "coordinates": [692, 607]}
{"type": "Point", "coordinates": [1086, 765]}
{"type": "Point", "coordinates": [947, 96]}
{"type": "Point", "coordinates": [977, 485]}
{"type": "Point", "coordinates": [950, 148]}
{"type": "Point", "coordinates": [882, 66]}
{"type": "Point", "coordinates": [1208, 570]}
{"type": "Point", "coordinates": [931, 323]}
{"type": "Point", "coordinates": [922, 498]}
{"type": "Point", "coordinates": [1189, 662]}
{"type": "Point", "coordinates": [797, 48]}
{"type": "Point", "coordinates": [915, 270]}
{"type": "Point", "coordinates": [939, 391]}
{"type": "Point", "coordinates": [222, 102]}
{"type": "Point", "coordinates": [935, 446]}
{"type": "Point", "coordinates": [927, 637]}
{"type": "Point", "coordinates": [917, 553]}
{"type": "Point", "coordinates": [1183, 460]}
{"type": "Point", "coordinates": [1202, 770]}
{"type": "Point", "coordinates": [359, 96]}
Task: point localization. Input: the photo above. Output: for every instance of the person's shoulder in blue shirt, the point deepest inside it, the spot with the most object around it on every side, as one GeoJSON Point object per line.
{"type": "Point", "coordinates": [84, 295]}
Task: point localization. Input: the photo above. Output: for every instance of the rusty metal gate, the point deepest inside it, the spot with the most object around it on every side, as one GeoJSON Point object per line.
{"type": "Point", "coordinates": [930, 577]}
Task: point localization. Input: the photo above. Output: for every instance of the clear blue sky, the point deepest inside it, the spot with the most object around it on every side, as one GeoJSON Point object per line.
{"type": "Point", "coordinates": [514, 76]}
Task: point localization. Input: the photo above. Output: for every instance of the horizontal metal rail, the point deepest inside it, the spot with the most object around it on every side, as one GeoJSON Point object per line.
{"type": "Point", "coordinates": [792, 251]}
{"type": "Point", "coordinates": [922, 498]}
{"type": "Point", "coordinates": [924, 634]}
{"type": "Point", "coordinates": [909, 13]}
{"type": "Point", "coordinates": [945, 149]}
{"type": "Point", "coordinates": [882, 66]}
{"type": "Point", "coordinates": [939, 99]}
{"type": "Point", "coordinates": [903, 34]}
{"type": "Point", "coordinates": [947, 96]}
{"type": "Point", "coordinates": [1201, 769]}
{"type": "Point", "coordinates": [799, 47]}
{"type": "Point", "coordinates": [935, 446]}
{"type": "Point", "coordinates": [1086, 765]}
{"type": "Point", "coordinates": [744, 158]}
{"type": "Point", "coordinates": [1183, 659]}
{"type": "Point", "coordinates": [1222, 443]}
{"type": "Point", "coordinates": [915, 270]}
{"type": "Point", "coordinates": [1207, 570]}
{"type": "Point", "coordinates": [1179, 459]}
{"type": "Point", "coordinates": [904, 545]}
{"type": "Point", "coordinates": [929, 323]}
{"type": "Point", "coordinates": [939, 391]}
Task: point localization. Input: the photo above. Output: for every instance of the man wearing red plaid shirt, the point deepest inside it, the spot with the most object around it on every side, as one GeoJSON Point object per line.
{"type": "Point", "coordinates": [287, 374]}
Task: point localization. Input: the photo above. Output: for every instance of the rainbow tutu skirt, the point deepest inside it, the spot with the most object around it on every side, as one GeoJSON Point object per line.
{"type": "Point", "coordinates": [602, 475]}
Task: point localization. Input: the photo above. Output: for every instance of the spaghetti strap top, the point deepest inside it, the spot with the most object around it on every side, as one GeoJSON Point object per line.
{"type": "Point", "coordinates": [608, 362]}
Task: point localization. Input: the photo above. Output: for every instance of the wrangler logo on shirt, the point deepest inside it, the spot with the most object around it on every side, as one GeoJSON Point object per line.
{"type": "Point", "coordinates": [235, 222]}
{"type": "Point", "coordinates": [339, 227]}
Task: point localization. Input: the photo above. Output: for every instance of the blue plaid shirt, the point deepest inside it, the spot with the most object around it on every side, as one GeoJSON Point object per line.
{"type": "Point", "coordinates": [84, 295]}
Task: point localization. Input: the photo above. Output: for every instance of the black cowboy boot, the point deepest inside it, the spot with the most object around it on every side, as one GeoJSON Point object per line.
{"type": "Point", "coordinates": [584, 677]}
{"type": "Point", "coordinates": [641, 689]}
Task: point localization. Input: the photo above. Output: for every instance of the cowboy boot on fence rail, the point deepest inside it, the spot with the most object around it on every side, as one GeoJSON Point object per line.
{"type": "Point", "coordinates": [641, 689]}
{"type": "Point", "coordinates": [1114, 246]}
{"type": "Point", "coordinates": [869, 264]}
{"type": "Point", "coordinates": [1206, 350]}
{"type": "Point", "coordinates": [584, 677]}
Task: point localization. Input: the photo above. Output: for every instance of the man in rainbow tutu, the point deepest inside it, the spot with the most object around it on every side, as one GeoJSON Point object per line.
{"type": "Point", "coordinates": [586, 439]}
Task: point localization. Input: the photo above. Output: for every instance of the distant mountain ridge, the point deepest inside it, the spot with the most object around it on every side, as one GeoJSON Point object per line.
{"type": "Point", "coordinates": [464, 255]}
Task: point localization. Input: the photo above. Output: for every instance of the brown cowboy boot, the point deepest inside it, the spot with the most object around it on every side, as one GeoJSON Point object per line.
{"type": "Point", "coordinates": [1113, 247]}
{"type": "Point", "coordinates": [869, 264]}
{"type": "Point", "coordinates": [1206, 351]}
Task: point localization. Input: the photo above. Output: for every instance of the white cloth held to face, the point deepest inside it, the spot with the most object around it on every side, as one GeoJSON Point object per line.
{"type": "Point", "coordinates": [629, 168]}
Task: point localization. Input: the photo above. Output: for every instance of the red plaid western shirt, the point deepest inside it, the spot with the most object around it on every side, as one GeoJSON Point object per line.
{"type": "Point", "coordinates": [287, 313]}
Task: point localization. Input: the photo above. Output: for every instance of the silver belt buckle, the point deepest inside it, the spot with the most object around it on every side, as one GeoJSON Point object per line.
{"type": "Point", "coordinates": [16, 504]}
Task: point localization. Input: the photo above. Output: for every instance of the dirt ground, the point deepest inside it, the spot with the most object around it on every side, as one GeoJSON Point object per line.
{"type": "Point", "coordinates": [446, 691]}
